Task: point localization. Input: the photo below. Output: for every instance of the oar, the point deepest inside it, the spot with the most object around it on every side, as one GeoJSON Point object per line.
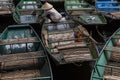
{"type": "Point", "coordinates": [45, 37]}
{"type": "Point", "coordinates": [85, 32]}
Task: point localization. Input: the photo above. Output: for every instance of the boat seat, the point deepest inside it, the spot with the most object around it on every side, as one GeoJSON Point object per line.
{"type": "Point", "coordinates": [4, 0]}
{"type": "Point", "coordinates": [112, 68]}
{"type": "Point", "coordinates": [27, 10]}
{"type": "Point", "coordinates": [113, 49]}
{"type": "Point", "coordinates": [18, 41]}
{"type": "Point", "coordinates": [72, 45]}
{"type": "Point", "coordinates": [74, 4]}
{"type": "Point", "coordinates": [117, 36]}
{"type": "Point", "coordinates": [20, 74]}
{"type": "Point", "coordinates": [115, 57]}
{"type": "Point", "coordinates": [5, 12]}
{"type": "Point", "coordinates": [21, 56]}
{"type": "Point", "coordinates": [78, 8]}
{"type": "Point", "coordinates": [76, 54]}
{"type": "Point", "coordinates": [111, 77]}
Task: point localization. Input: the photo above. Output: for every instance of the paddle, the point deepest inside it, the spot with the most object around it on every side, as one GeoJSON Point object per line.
{"type": "Point", "coordinates": [45, 37]}
{"type": "Point", "coordinates": [85, 32]}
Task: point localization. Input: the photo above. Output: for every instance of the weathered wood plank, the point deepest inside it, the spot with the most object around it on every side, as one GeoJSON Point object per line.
{"type": "Point", "coordinates": [80, 57]}
{"type": "Point", "coordinates": [111, 77]}
{"type": "Point", "coordinates": [20, 75]}
{"type": "Point", "coordinates": [19, 40]}
{"type": "Point", "coordinates": [72, 45]}
{"type": "Point", "coordinates": [116, 36]}
{"type": "Point", "coordinates": [114, 49]}
{"type": "Point", "coordinates": [18, 56]}
{"type": "Point", "coordinates": [5, 12]}
{"type": "Point", "coordinates": [115, 57]}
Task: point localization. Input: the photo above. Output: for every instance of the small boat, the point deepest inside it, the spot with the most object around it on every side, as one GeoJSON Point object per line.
{"type": "Point", "coordinates": [107, 67]}
{"type": "Point", "coordinates": [65, 44]}
{"type": "Point", "coordinates": [28, 11]}
{"type": "Point", "coordinates": [6, 7]}
{"type": "Point", "coordinates": [53, 0]}
{"type": "Point", "coordinates": [110, 8]}
{"type": "Point", "coordinates": [83, 12]}
{"type": "Point", "coordinates": [23, 56]}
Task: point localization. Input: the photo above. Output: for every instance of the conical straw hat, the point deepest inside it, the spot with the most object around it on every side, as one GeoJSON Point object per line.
{"type": "Point", "coordinates": [46, 6]}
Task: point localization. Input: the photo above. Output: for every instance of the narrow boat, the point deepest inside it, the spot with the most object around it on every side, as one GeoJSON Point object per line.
{"type": "Point", "coordinates": [107, 67]}
{"type": "Point", "coordinates": [110, 8]}
{"type": "Point", "coordinates": [6, 7]}
{"type": "Point", "coordinates": [83, 12]}
{"type": "Point", "coordinates": [53, 0]}
{"type": "Point", "coordinates": [23, 56]}
{"type": "Point", "coordinates": [28, 11]}
{"type": "Point", "coordinates": [65, 43]}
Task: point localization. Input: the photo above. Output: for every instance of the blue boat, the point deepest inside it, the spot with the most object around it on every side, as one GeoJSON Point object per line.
{"type": "Point", "coordinates": [112, 7]}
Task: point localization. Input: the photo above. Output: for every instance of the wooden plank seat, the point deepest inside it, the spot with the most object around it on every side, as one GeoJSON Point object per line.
{"type": "Point", "coordinates": [20, 74]}
{"type": "Point", "coordinates": [78, 57]}
{"type": "Point", "coordinates": [72, 45]}
{"type": "Point", "coordinates": [112, 68]}
{"type": "Point", "coordinates": [76, 54]}
{"type": "Point", "coordinates": [4, 0]}
{"type": "Point", "coordinates": [73, 52]}
{"type": "Point", "coordinates": [67, 46]}
{"type": "Point", "coordinates": [19, 64]}
{"type": "Point", "coordinates": [5, 4]}
{"type": "Point", "coordinates": [117, 36]}
{"type": "Point", "coordinates": [5, 12]}
{"type": "Point", "coordinates": [26, 10]}
{"type": "Point", "coordinates": [111, 77]}
{"type": "Point", "coordinates": [20, 60]}
{"type": "Point", "coordinates": [20, 56]}
{"type": "Point", "coordinates": [29, 4]}
{"type": "Point", "coordinates": [115, 57]}
{"type": "Point", "coordinates": [76, 4]}
{"type": "Point", "coordinates": [77, 9]}
{"type": "Point", "coordinates": [29, 11]}
{"type": "Point", "coordinates": [18, 40]}
{"type": "Point", "coordinates": [113, 49]}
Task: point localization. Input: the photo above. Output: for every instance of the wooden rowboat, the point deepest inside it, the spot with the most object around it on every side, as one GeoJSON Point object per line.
{"type": "Point", "coordinates": [6, 7]}
{"type": "Point", "coordinates": [110, 8]}
{"type": "Point", "coordinates": [22, 55]}
{"type": "Point", "coordinates": [28, 11]}
{"type": "Point", "coordinates": [65, 43]}
{"type": "Point", "coordinates": [107, 67]}
{"type": "Point", "coordinates": [83, 12]}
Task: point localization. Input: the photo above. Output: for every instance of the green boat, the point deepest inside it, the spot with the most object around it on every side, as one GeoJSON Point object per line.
{"type": "Point", "coordinates": [107, 67]}
{"type": "Point", "coordinates": [83, 12]}
{"type": "Point", "coordinates": [23, 56]}
{"type": "Point", "coordinates": [6, 7]}
{"type": "Point", "coordinates": [53, 0]}
{"type": "Point", "coordinates": [65, 44]}
{"type": "Point", "coordinates": [28, 11]}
